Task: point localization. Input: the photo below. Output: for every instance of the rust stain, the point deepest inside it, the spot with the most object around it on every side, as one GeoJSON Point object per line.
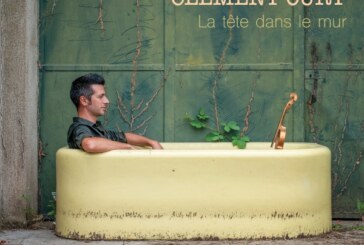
{"type": "Point", "coordinates": [179, 236]}
{"type": "Point", "coordinates": [285, 216]}
{"type": "Point", "coordinates": [344, 170]}
{"type": "Point", "coordinates": [183, 215]}
{"type": "Point", "coordinates": [168, 235]}
{"type": "Point", "coordinates": [313, 97]}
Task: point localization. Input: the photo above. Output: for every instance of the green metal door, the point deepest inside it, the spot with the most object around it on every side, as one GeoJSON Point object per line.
{"type": "Point", "coordinates": [238, 63]}
{"type": "Point", "coordinates": [334, 86]}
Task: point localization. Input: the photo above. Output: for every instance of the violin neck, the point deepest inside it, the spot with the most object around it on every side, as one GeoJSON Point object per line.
{"type": "Point", "coordinates": [283, 116]}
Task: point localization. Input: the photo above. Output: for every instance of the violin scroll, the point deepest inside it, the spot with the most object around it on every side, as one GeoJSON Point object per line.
{"type": "Point", "coordinates": [293, 97]}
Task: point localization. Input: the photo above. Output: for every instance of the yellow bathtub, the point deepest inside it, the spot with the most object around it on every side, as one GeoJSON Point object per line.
{"type": "Point", "coordinates": [194, 191]}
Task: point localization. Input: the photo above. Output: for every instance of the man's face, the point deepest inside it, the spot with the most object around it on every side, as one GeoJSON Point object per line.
{"type": "Point", "coordinates": [99, 102]}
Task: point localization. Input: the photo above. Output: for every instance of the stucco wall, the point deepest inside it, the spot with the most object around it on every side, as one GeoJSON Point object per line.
{"type": "Point", "coordinates": [18, 109]}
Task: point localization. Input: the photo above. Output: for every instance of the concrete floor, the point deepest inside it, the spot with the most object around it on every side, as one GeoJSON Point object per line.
{"type": "Point", "coordinates": [345, 232]}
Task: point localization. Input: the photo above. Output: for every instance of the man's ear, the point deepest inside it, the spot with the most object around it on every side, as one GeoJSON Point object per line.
{"type": "Point", "coordinates": [83, 100]}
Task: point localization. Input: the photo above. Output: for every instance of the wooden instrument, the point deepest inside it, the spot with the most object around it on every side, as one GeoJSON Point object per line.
{"type": "Point", "coordinates": [280, 135]}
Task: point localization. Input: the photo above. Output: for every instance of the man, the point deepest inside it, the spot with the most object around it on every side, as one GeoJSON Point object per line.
{"type": "Point", "coordinates": [86, 132]}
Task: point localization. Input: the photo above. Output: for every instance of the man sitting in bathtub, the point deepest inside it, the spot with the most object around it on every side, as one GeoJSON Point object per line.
{"type": "Point", "coordinates": [86, 132]}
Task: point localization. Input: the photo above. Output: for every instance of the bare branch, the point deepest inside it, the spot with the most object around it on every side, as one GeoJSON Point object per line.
{"type": "Point", "coordinates": [138, 106]}
{"type": "Point", "coordinates": [100, 18]}
{"type": "Point", "coordinates": [143, 123]}
{"type": "Point", "coordinates": [150, 101]}
{"type": "Point", "coordinates": [54, 5]}
{"type": "Point", "coordinates": [121, 107]}
{"type": "Point", "coordinates": [249, 106]}
{"type": "Point", "coordinates": [217, 76]}
{"type": "Point", "coordinates": [137, 54]}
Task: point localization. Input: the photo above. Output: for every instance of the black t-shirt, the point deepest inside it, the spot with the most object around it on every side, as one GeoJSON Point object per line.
{"type": "Point", "coordinates": [82, 128]}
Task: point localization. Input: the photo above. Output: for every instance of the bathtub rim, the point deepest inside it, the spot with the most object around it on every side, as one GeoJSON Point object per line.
{"type": "Point", "coordinates": [254, 149]}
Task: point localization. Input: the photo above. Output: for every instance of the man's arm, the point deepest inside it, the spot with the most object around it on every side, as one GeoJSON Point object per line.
{"type": "Point", "coordinates": [98, 145]}
{"type": "Point", "coordinates": [138, 140]}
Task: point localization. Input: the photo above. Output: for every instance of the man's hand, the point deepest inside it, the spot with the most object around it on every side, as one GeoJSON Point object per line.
{"type": "Point", "coordinates": [156, 145]}
{"type": "Point", "coordinates": [138, 140]}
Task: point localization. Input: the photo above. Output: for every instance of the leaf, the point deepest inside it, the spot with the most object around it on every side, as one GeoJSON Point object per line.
{"type": "Point", "coordinates": [233, 125]}
{"type": "Point", "coordinates": [360, 206]}
{"type": "Point", "coordinates": [197, 124]}
{"type": "Point", "coordinates": [214, 136]}
{"type": "Point", "coordinates": [202, 115]}
{"type": "Point", "coordinates": [226, 127]}
{"type": "Point", "coordinates": [240, 142]}
{"type": "Point", "coordinates": [188, 116]}
{"type": "Point", "coordinates": [246, 138]}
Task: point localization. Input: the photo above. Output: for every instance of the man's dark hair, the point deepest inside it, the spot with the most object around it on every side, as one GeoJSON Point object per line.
{"type": "Point", "coordinates": [82, 87]}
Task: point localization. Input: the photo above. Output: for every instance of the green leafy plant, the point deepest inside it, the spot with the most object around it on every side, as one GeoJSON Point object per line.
{"type": "Point", "coordinates": [52, 206]}
{"type": "Point", "coordinates": [347, 227]}
{"type": "Point", "coordinates": [360, 206]}
{"type": "Point", "coordinates": [229, 131]}
{"type": "Point", "coordinates": [30, 213]}
{"type": "Point", "coordinates": [359, 228]}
